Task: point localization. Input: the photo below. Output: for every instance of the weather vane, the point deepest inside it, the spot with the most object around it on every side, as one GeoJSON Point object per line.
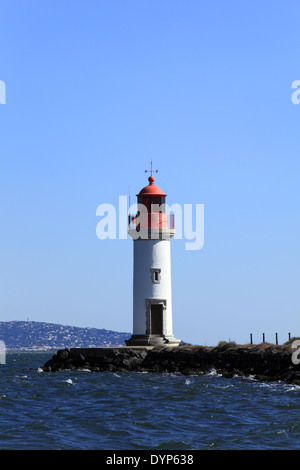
{"type": "Point", "coordinates": [151, 171]}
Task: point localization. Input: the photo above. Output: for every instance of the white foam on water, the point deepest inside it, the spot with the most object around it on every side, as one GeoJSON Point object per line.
{"type": "Point", "coordinates": [250, 377]}
{"type": "Point", "coordinates": [293, 388]}
{"type": "Point", "coordinates": [226, 386]}
{"type": "Point", "coordinates": [68, 381]}
{"type": "Point", "coordinates": [214, 373]}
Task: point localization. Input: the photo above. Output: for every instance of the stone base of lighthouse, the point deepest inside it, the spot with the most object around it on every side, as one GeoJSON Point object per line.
{"type": "Point", "coordinates": [152, 340]}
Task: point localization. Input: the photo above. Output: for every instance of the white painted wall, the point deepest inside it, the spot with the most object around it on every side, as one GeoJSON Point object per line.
{"type": "Point", "coordinates": [151, 254]}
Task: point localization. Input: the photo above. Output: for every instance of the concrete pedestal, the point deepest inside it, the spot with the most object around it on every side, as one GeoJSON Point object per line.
{"type": "Point", "coordinates": [152, 340]}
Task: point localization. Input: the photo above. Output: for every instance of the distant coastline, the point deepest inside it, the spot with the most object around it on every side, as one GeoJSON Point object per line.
{"type": "Point", "coordinates": [42, 336]}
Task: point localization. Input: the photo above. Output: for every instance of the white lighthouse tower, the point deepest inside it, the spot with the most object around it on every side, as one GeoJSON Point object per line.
{"type": "Point", "coordinates": [151, 230]}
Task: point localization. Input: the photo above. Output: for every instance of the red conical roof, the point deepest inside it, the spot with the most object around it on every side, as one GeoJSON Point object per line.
{"type": "Point", "coordinates": [151, 189]}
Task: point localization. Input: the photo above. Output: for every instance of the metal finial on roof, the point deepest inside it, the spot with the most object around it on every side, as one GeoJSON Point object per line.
{"type": "Point", "coordinates": [151, 171]}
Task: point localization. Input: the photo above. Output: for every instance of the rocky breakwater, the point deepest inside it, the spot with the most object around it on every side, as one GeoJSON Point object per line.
{"type": "Point", "coordinates": [263, 361]}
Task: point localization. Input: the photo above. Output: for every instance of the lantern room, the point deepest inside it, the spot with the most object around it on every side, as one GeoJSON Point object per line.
{"type": "Point", "coordinates": [151, 212]}
{"type": "Point", "coordinates": [152, 196]}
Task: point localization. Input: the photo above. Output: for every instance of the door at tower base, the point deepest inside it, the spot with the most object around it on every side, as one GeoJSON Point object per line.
{"type": "Point", "coordinates": [156, 327]}
{"type": "Point", "coordinates": [156, 320]}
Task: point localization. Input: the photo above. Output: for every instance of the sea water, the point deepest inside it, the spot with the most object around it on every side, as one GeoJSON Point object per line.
{"type": "Point", "coordinates": [83, 410]}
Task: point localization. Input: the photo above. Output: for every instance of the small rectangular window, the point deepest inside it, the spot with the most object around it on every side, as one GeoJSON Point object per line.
{"type": "Point", "coordinates": [156, 275]}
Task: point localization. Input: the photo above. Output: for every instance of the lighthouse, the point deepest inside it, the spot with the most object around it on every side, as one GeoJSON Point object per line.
{"type": "Point", "coordinates": [152, 229]}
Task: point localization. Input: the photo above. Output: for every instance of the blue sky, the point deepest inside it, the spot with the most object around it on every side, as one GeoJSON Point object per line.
{"type": "Point", "coordinates": [94, 91]}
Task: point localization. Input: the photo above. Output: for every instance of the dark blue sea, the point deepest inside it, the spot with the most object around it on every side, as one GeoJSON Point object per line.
{"type": "Point", "coordinates": [82, 410]}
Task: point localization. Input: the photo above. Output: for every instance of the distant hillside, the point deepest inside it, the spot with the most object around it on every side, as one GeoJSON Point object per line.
{"type": "Point", "coordinates": [45, 336]}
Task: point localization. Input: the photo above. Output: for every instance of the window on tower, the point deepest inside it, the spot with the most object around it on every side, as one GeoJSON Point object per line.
{"type": "Point", "coordinates": [157, 204]}
{"type": "Point", "coordinates": [156, 275]}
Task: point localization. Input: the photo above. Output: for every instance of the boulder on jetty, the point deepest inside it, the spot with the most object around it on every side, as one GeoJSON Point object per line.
{"type": "Point", "coordinates": [265, 361]}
